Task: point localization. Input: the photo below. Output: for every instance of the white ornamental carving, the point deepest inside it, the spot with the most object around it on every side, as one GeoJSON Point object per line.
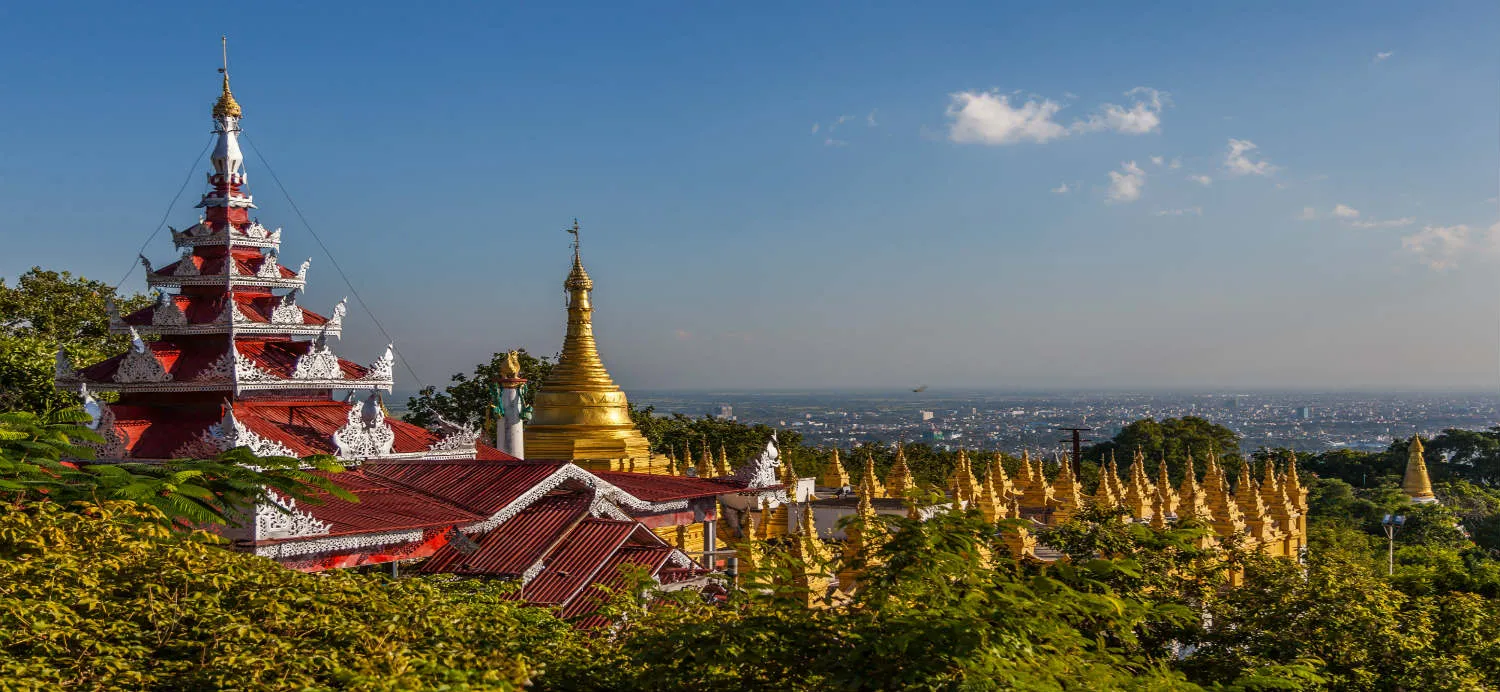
{"type": "Point", "coordinates": [140, 364]}
{"type": "Point", "coordinates": [366, 435]}
{"type": "Point", "coordinates": [166, 313]}
{"type": "Point", "coordinates": [221, 370]}
{"type": "Point", "coordinates": [459, 437]}
{"type": "Point", "coordinates": [337, 319]}
{"type": "Point", "coordinates": [115, 444]}
{"type": "Point", "coordinates": [281, 519]}
{"type": "Point", "coordinates": [112, 310]}
{"type": "Point", "coordinates": [186, 266]}
{"type": "Point", "coordinates": [302, 270]}
{"type": "Point", "coordinates": [246, 370]}
{"type": "Point", "coordinates": [319, 363]}
{"type": "Point", "coordinates": [761, 471]}
{"type": "Point", "coordinates": [286, 311]}
{"type": "Point", "coordinates": [256, 231]}
{"type": "Point", "coordinates": [382, 370]}
{"type": "Point", "coordinates": [269, 268]}
{"type": "Point", "coordinates": [228, 434]}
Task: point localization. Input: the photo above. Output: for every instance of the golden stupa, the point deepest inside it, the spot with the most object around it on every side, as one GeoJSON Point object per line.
{"type": "Point", "coordinates": [580, 414]}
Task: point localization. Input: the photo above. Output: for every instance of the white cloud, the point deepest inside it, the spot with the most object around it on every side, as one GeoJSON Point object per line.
{"type": "Point", "coordinates": [1141, 117]}
{"type": "Point", "coordinates": [1385, 223]}
{"type": "Point", "coordinates": [815, 128]}
{"type": "Point", "coordinates": [1203, 180]}
{"type": "Point", "coordinates": [1186, 211]}
{"type": "Point", "coordinates": [1439, 247]}
{"type": "Point", "coordinates": [1158, 160]}
{"type": "Point", "coordinates": [871, 118]}
{"type": "Point", "coordinates": [1238, 161]}
{"type": "Point", "coordinates": [1308, 214]}
{"type": "Point", "coordinates": [1125, 184]}
{"type": "Point", "coordinates": [1380, 57]}
{"type": "Point", "coordinates": [1345, 212]}
{"type": "Point", "coordinates": [1062, 189]}
{"type": "Point", "coordinates": [989, 117]}
{"type": "Point", "coordinates": [1175, 164]}
{"type": "Point", "coordinates": [831, 142]}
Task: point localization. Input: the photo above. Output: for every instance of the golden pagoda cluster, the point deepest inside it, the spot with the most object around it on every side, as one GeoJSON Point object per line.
{"type": "Point", "coordinates": [1268, 514]}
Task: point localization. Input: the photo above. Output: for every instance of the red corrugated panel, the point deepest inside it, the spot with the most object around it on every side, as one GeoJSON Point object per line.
{"type": "Point", "coordinates": [517, 544]}
{"type": "Point", "coordinates": [482, 487]}
{"type": "Point", "coordinates": [576, 559]}
{"type": "Point", "coordinates": [182, 359]}
{"type": "Point", "coordinates": [280, 357]}
{"type": "Point", "coordinates": [382, 506]}
{"type": "Point", "coordinates": [654, 488]}
{"type": "Point", "coordinates": [610, 576]}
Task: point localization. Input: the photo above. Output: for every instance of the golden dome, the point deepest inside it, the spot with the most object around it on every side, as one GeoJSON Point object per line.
{"type": "Point", "coordinates": [226, 107]}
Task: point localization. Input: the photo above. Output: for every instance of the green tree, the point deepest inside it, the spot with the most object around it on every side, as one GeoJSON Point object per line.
{"type": "Point", "coordinates": [1173, 439]}
{"type": "Point", "coordinates": [467, 400]}
{"type": "Point", "coordinates": [44, 311]}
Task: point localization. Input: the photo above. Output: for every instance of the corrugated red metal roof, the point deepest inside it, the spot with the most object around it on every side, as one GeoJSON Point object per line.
{"type": "Point", "coordinates": [576, 559]}
{"type": "Point", "coordinates": [382, 507]}
{"type": "Point", "coordinates": [203, 309]}
{"type": "Point", "coordinates": [482, 487]}
{"type": "Point", "coordinates": [611, 576]}
{"type": "Point", "coordinates": [517, 544]}
{"type": "Point", "coordinates": [654, 488]}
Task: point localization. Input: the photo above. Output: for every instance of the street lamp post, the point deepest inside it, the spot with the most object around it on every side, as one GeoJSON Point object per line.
{"type": "Point", "coordinates": [1391, 523]}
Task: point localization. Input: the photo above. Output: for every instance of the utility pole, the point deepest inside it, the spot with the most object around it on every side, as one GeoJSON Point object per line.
{"type": "Point", "coordinates": [1078, 439]}
{"type": "Point", "coordinates": [1391, 523]}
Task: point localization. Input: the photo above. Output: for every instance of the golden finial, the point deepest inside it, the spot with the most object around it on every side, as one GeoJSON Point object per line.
{"type": "Point", "coordinates": [226, 107]}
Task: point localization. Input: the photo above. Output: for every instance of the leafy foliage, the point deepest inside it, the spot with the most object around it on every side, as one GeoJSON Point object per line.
{"type": "Point", "coordinates": [1173, 439]}
{"type": "Point", "coordinates": [46, 310]}
{"type": "Point", "coordinates": [106, 598]}
{"type": "Point", "coordinates": [32, 467]}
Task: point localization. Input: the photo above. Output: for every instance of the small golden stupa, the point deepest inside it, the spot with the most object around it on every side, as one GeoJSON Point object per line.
{"type": "Point", "coordinates": [580, 414]}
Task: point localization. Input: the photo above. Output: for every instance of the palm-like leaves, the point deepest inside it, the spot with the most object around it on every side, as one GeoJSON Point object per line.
{"type": "Point", "coordinates": [195, 491]}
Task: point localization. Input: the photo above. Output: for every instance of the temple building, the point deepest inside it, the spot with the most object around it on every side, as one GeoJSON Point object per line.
{"type": "Point", "coordinates": [227, 357]}
{"type": "Point", "coordinates": [1415, 483]}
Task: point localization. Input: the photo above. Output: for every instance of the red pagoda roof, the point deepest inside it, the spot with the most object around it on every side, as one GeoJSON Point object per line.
{"type": "Point", "coordinates": [382, 506]}
{"type": "Point", "coordinates": [479, 486]}
{"type": "Point", "coordinates": [516, 545]}
{"type": "Point", "coordinates": [192, 365]}
{"type": "Point", "coordinates": [654, 488]}
{"type": "Point", "coordinates": [577, 558]}
{"type": "Point", "coordinates": [206, 309]}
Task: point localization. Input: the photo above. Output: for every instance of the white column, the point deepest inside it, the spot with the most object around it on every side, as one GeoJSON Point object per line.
{"type": "Point", "coordinates": [510, 431]}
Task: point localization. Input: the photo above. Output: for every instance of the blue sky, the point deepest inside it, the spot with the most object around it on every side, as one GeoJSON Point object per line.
{"type": "Point", "coordinates": [814, 196]}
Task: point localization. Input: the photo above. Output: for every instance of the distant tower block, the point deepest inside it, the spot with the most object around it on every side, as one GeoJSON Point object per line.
{"type": "Point", "coordinates": [1416, 484]}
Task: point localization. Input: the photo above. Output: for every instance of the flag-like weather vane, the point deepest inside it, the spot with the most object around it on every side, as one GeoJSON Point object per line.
{"type": "Point", "coordinates": [573, 231]}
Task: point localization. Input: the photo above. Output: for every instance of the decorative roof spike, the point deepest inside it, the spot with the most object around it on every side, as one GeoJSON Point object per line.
{"type": "Point", "coordinates": [136, 343]}
{"type": "Point", "coordinates": [1416, 484]}
{"type": "Point", "coordinates": [1164, 486]}
{"type": "Point", "coordinates": [1023, 474]}
{"type": "Point", "coordinates": [705, 466]}
{"type": "Point", "coordinates": [899, 481]}
{"type": "Point", "coordinates": [868, 477]}
{"type": "Point", "coordinates": [1295, 493]}
{"type": "Point", "coordinates": [91, 406]}
{"type": "Point", "coordinates": [723, 468]}
{"type": "Point", "coordinates": [834, 475]}
{"type": "Point", "coordinates": [1191, 500]}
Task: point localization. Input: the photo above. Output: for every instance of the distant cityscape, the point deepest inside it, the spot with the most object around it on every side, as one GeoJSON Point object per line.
{"type": "Point", "coordinates": [1012, 421]}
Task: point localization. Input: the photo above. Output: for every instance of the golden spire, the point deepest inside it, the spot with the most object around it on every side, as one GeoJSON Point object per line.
{"type": "Point", "coordinates": [1164, 486]}
{"type": "Point", "coordinates": [705, 462]}
{"type": "Point", "coordinates": [861, 537]}
{"type": "Point", "coordinates": [899, 480]}
{"type": "Point", "coordinates": [1038, 492]}
{"type": "Point", "coordinates": [1023, 474]}
{"type": "Point", "coordinates": [868, 477]}
{"type": "Point", "coordinates": [1137, 497]}
{"type": "Point", "coordinates": [1416, 484]}
{"type": "Point", "coordinates": [763, 527]}
{"type": "Point", "coordinates": [1270, 487]}
{"type": "Point", "coordinates": [1065, 493]}
{"type": "Point", "coordinates": [962, 483]}
{"type": "Point", "coordinates": [1292, 485]}
{"type": "Point", "coordinates": [1115, 486]}
{"type": "Point", "coordinates": [1159, 507]}
{"type": "Point", "coordinates": [834, 475]}
{"type": "Point", "coordinates": [723, 468]}
{"type": "Point", "coordinates": [1104, 495]}
{"type": "Point", "coordinates": [1226, 516]}
{"type": "Point", "coordinates": [226, 106]}
{"type": "Point", "coordinates": [1190, 503]}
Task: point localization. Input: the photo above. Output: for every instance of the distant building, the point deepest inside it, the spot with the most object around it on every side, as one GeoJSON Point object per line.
{"type": "Point", "coordinates": [726, 412]}
{"type": "Point", "coordinates": [1304, 413]}
{"type": "Point", "coordinates": [926, 415]}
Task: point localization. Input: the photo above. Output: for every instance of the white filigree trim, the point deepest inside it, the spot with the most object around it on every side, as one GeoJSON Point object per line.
{"type": "Point", "coordinates": [269, 268]}
{"type": "Point", "coordinates": [366, 435]}
{"type": "Point", "coordinates": [281, 519]}
{"type": "Point", "coordinates": [246, 370]}
{"type": "Point", "coordinates": [602, 507]}
{"type": "Point", "coordinates": [286, 311]}
{"type": "Point", "coordinates": [221, 370]}
{"type": "Point", "coordinates": [761, 471]}
{"type": "Point", "coordinates": [302, 270]}
{"type": "Point", "coordinates": [186, 266]}
{"type": "Point", "coordinates": [459, 438]}
{"type": "Point", "coordinates": [140, 364]}
{"type": "Point", "coordinates": [319, 363]}
{"type": "Point", "coordinates": [115, 444]}
{"type": "Point", "coordinates": [337, 544]}
{"type": "Point", "coordinates": [336, 320]}
{"type": "Point", "coordinates": [679, 558]}
{"type": "Point", "coordinates": [383, 370]}
{"type": "Point", "coordinates": [603, 492]}
{"type": "Point", "coordinates": [228, 434]}
{"type": "Point", "coordinates": [166, 313]}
